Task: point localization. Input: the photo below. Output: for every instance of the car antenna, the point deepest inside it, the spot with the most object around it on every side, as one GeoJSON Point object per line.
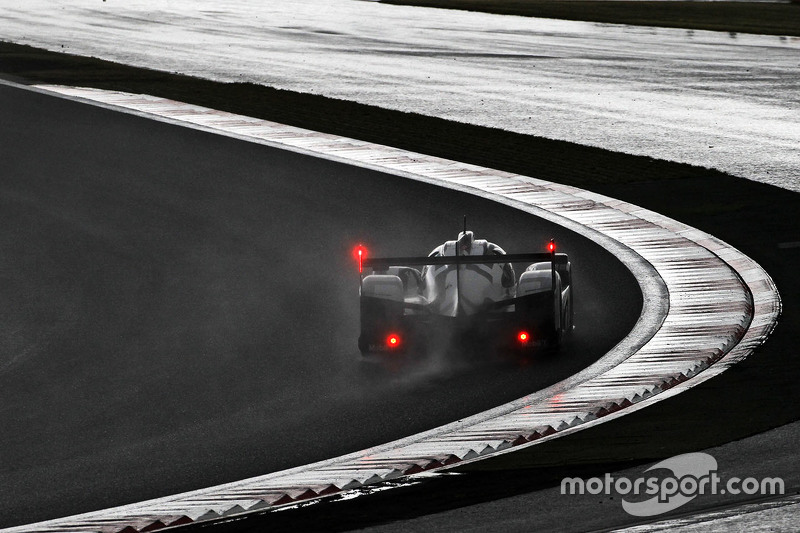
{"type": "Point", "coordinates": [458, 269]}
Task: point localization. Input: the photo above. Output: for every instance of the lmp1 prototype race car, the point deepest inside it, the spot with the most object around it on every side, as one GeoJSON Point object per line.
{"type": "Point", "coordinates": [468, 288]}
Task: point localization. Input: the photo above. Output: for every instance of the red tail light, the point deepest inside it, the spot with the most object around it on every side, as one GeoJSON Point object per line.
{"type": "Point", "coordinates": [393, 340]}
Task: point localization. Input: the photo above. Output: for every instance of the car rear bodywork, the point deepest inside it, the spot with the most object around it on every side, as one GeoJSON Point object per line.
{"type": "Point", "coordinates": [474, 298]}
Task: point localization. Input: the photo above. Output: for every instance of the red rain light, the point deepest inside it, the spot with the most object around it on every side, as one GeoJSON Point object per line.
{"type": "Point", "coordinates": [523, 337]}
{"type": "Point", "coordinates": [551, 247]}
{"type": "Point", "coordinates": [360, 254]}
{"type": "Point", "coordinates": [393, 340]}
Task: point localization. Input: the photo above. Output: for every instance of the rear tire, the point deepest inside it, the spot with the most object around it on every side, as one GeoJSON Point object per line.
{"type": "Point", "coordinates": [554, 343]}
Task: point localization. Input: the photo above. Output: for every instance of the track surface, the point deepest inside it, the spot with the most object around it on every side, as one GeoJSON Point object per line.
{"type": "Point", "coordinates": [180, 309]}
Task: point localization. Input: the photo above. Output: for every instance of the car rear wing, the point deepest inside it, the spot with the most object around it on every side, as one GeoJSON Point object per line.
{"type": "Point", "coordinates": [382, 263]}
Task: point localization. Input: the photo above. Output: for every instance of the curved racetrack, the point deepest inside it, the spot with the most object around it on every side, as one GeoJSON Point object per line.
{"type": "Point", "coordinates": [180, 309]}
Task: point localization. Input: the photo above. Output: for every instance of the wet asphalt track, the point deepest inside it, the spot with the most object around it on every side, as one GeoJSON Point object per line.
{"type": "Point", "coordinates": [179, 309]}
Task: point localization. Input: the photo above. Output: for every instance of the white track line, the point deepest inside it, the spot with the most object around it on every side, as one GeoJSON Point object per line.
{"type": "Point", "coordinates": [706, 307]}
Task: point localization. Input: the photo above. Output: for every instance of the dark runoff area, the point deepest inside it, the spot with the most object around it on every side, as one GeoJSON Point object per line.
{"type": "Point", "coordinates": [769, 18]}
{"type": "Point", "coordinates": [759, 394]}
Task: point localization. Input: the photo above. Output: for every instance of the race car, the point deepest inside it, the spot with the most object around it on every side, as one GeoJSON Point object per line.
{"type": "Point", "coordinates": [467, 287]}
